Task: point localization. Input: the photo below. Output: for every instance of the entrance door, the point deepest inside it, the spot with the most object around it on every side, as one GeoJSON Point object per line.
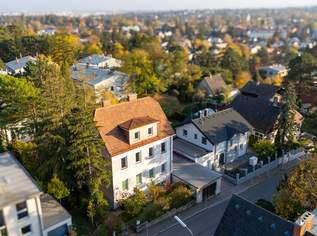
{"type": "Point", "coordinates": [222, 159]}
{"type": "Point", "coordinates": [209, 191]}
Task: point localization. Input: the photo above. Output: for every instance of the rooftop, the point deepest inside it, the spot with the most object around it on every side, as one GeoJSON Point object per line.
{"type": "Point", "coordinates": [260, 90]}
{"type": "Point", "coordinates": [222, 125]}
{"type": "Point", "coordinates": [188, 149]}
{"type": "Point", "coordinates": [95, 59]}
{"type": "Point", "coordinates": [110, 117]}
{"type": "Point", "coordinates": [53, 212]}
{"type": "Point", "coordinates": [94, 76]}
{"type": "Point", "coordinates": [137, 122]}
{"type": "Point", "coordinates": [244, 218]}
{"type": "Point", "coordinates": [193, 174]}
{"type": "Point", "coordinates": [15, 182]}
{"type": "Point", "coordinates": [19, 62]}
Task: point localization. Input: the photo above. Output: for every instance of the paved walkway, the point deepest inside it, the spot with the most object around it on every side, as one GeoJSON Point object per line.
{"type": "Point", "coordinates": [227, 190]}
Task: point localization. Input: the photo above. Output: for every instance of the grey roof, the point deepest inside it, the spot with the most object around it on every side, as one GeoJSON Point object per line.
{"type": "Point", "coordinates": [19, 63]}
{"type": "Point", "coordinates": [15, 182]}
{"type": "Point", "coordinates": [261, 113]}
{"type": "Point", "coordinates": [193, 174]}
{"type": "Point", "coordinates": [186, 148]}
{"type": "Point", "coordinates": [94, 59]}
{"type": "Point", "coordinates": [260, 90]}
{"type": "Point", "coordinates": [53, 212]}
{"type": "Point", "coordinates": [243, 218]}
{"type": "Point", "coordinates": [222, 125]}
{"type": "Point", "coordinates": [213, 84]}
{"type": "Point", "coordinates": [94, 76]}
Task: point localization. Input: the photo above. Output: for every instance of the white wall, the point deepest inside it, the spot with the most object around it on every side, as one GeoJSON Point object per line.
{"type": "Point", "coordinates": [191, 131]}
{"type": "Point", "coordinates": [143, 131]}
{"type": "Point", "coordinates": [14, 225]}
{"type": "Point", "coordinates": [143, 167]}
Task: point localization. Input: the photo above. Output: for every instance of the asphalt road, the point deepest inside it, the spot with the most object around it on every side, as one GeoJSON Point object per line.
{"type": "Point", "coordinates": [206, 222]}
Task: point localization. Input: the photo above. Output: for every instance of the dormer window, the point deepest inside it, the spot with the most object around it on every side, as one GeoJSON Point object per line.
{"type": "Point", "coordinates": [150, 131]}
{"type": "Point", "coordinates": [137, 135]}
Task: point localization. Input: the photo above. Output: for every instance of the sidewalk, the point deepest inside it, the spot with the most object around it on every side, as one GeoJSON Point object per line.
{"type": "Point", "coordinates": [227, 190]}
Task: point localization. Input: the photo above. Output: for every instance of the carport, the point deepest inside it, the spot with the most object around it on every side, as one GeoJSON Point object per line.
{"type": "Point", "coordinates": [205, 182]}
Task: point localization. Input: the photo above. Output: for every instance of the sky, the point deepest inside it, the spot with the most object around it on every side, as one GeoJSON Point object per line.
{"type": "Point", "coordinates": [133, 5]}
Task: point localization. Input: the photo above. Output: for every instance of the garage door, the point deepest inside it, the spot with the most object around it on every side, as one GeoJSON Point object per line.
{"type": "Point", "coordinates": [60, 231]}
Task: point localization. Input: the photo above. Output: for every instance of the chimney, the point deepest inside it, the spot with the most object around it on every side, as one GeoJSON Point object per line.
{"type": "Point", "coordinates": [132, 97]}
{"type": "Point", "coordinates": [303, 224]}
{"type": "Point", "coordinates": [106, 103]}
{"type": "Point", "coordinates": [17, 60]}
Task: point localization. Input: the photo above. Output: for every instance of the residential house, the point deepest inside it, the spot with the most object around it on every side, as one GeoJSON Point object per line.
{"type": "Point", "coordinates": [24, 208]}
{"type": "Point", "coordinates": [260, 105]}
{"type": "Point", "coordinates": [101, 80]}
{"type": "Point", "coordinates": [100, 61]}
{"type": "Point", "coordinates": [212, 141]}
{"type": "Point", "coordinates": [244, 218]}
{"type": "Point", "coordinates": [212, 85]}
{"type": "Point", "coordinates": [273, 70]}
{"type": "Point", "coordinates": [48, 31]}
{"type": "Point", "coordinates": [138, 142]}
{"type": "Point", "coordinates": [18, 65]}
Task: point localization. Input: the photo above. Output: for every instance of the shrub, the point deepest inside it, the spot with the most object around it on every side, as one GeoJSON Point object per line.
{"type": "Point", "coordinates": [155, 191]}
{"type": "Point", "coordinates": [264, 149]}
{"type": "Point", "coordinates": [133, 205]}
{"type": "Point", "coordinates": [113, 223]}
{"type": "Point", "coordinates": [180, 196]}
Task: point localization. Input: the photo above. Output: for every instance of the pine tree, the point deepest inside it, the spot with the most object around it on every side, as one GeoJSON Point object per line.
{"type": "Point", "coordinates": [286, 125]}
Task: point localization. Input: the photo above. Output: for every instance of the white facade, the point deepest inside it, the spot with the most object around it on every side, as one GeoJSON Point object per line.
{"type": "Point", "coordinates": [15, 225]}
{"type": "Point", "coordinates": [220, 153]}
{"type": "Point", "coordinates": [142, 167]}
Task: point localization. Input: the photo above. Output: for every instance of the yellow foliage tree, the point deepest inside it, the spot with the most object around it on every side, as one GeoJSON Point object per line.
{"type": "Point", "coordinates": [242, 79]}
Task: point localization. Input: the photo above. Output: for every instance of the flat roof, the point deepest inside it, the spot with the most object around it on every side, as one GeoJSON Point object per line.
{"type": "Point", "coordinates": [192, 173]}
{"type": "Point", "coordinates": [16, 184]}
{"type": "Point", "coordinates": [53, 212]}
{"type": "Point", "coordinates": [186, 148]}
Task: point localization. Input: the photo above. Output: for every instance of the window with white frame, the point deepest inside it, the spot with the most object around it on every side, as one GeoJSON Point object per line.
{"type": "Point", "coordinates": [137, 135]}
{"type": "Point", "coordinates": [163, 147]}
{"type": "Point", "coordinates": [151, 152]}
{"type": "Point", "coordinates": [125, 185]}
{"type": "Point", "coordinates": [163, 168]}
{"type": "Point", "coordinates": [22, 210]}
{"type": "Point", "coordinates": [139, 179]}
{"type": "Point", "coordinates": [124, 162]}
{"type": "Point", "coordinates": [150, 131]}
{"type": "Point", "coordinates": [138, 157]}
{"type": "Point", "coordinates": [151, 173]}
{"type": "Point", "coordinates": [26, 230]}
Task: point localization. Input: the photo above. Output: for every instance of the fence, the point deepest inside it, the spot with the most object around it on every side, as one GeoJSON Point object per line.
{"type": "Point", "coordinates": [246, 174]}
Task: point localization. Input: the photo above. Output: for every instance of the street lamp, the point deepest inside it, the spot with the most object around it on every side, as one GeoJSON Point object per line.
{"type": "Point", "coordinates": [183, 225]}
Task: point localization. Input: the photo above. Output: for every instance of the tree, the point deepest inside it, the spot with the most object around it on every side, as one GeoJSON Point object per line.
{"type": "Point", "coordinates": [234, 62]}
{"type": "Point", "coordinates": [242, 78]}
{"type": "Point", "coordinates": [286, 124]}
{"type": "Point", "coordinates": [64, 50]}
{"type": "Point", "coordinates": [301, 71]}
{"type": "Point", "coordinates": [298, 192]}
{"type": "Point", "coordinates": [133, 205]}
{"type": "Point", "coordinates": [18, 102]}
{"type": "Point", "coordinates": [264, 148]}
{"type": "Point", "coordinates": [143, 79]}
{"type": "Point", "coordinates": [57, 188]}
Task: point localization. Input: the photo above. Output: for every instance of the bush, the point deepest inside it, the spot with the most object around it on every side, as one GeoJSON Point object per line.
{"type": "Point", "coordinates": [180, 196]}
{"type": "Point", "coordinates": [113, 224]}
{"type": "Point", "coordinates": [155, 191]}
{"type": "Point", "coordinates": [133, 205]}
{"type": "Point", "coordinates": [264, 149]}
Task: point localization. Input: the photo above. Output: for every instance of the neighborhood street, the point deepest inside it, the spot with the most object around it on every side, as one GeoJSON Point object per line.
{"type": "Point", "coordinates": [204, 221]}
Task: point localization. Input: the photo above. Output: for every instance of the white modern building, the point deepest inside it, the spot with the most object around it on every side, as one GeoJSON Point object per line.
{"type": "Point", "coordinates": [273, 70]}
{"type": "Point", "coordinates": [24, 209]}
{"type": "Point", "coordinates": [101, 80]}
{"type": "Point", "coordinates": [18, 65]}
{"type": "Point", "coordinates": [215, 140]}
{"type": "Point", "coordinates": [138, 141]}
{"type": "Point", "coordinates": [100, 61]}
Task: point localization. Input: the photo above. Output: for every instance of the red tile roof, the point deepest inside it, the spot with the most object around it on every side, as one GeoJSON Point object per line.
{"type": "Point", "coordinates": [109, 118]}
